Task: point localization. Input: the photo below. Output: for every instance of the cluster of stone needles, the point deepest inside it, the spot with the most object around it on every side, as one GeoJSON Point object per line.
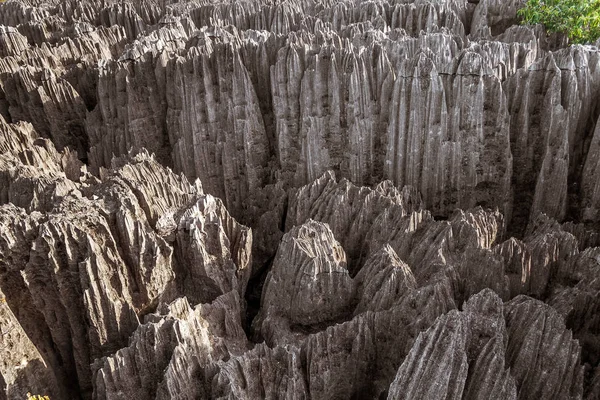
{"type": "Point", "coordinates": [296, 199]}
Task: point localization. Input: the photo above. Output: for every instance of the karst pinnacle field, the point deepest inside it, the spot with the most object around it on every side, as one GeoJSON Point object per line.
{"type": "Point", "coordinates": [296, 200]}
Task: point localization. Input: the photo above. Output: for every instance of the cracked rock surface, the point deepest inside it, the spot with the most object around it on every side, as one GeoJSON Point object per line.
{"type": "Point", "coordinates": [306, 199]}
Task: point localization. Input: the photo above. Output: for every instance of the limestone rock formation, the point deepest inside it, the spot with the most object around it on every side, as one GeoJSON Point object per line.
{"type": "Point", "coordinates": [305, 199]}
{"type": "Point", "coordinates": [175, 345]}
{"type": "Point", "coordinates": [101, 265]}
{"type": "Point", "coordinates": [383, 280]}
{"type": "Point", "coordinates": [261, 373]}
{"type": "Point", "coordinates": [308, 273]}
{"type": "Point", "coordinates": [526, 350]}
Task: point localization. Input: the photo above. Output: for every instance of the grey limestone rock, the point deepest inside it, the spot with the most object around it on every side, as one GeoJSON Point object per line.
{"type": "Point", "coordinates": [309, 283]}
{"type": "Point", "coordinates": [480, 336]}
{"type": "Point", "coordinates": [383, 280]}
{"type": "Point", "coordinates": [544, 357]}
{"type": "Point", "coordinates": [175, 345]}
{"type": "Point", "coordinates": [262, 373]}
{"type": "Point", "coordinates": [307, 199]}
{"type": "Point", "coordinates": [213, 251]}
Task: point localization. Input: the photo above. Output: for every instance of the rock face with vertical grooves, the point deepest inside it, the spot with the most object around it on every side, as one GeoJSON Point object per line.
{"type": "Point", "coordinates": [309, 271]}
{"type": "Point", "coordinates": [516, 348]}
{"type": "Point", "coordinates": [305, 199]}
{"type": "Point", "coordinates": [103, 261]}
{"type": "Point", "coordinates": [551, 126]}
{"type": "Point", "coordinates": [383, 280]}
{"type": "Point", "coordinates": [544, 357]}
{"type": "Point", "coordinates": [176, 344]}
{"type": "Point", "coordinates": [213, 250]}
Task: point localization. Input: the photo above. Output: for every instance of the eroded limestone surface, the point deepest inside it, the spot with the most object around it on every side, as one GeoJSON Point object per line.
{"type": "Point", "coordinates": [304, 199]}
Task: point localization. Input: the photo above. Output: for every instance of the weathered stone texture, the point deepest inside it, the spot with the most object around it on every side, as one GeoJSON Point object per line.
{"type": "Point", "coordinates": [304, 199]}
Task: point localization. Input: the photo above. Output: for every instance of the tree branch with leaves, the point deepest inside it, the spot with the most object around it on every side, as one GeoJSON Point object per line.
{"type": "Point", "coordinates": [579, 20]}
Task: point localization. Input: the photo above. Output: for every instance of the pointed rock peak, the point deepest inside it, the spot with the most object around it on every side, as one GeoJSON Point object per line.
{"type": "Point", "coordinates": [381, 260]}
{"type": "Point", "coordinates": [544, 358]}
{"type": "Point", "coordinates": [409, 197]}
{"type": "Point", "coordinates": [205, 208]}
{"type": "Point", "coordinates": [423, 65]}
{"type": "Point", "coordinates": [484, 312]}
{"type": "Point", "coordinates": [83, 28]}
{"type": "Point", "coordinates": [314, 237]}
{"type": "Point", "coordinates": [473, 63]}
{"type": "Point", "coordinates": [547, 63]}
{"type": "Point", "coordinates": [486, 301]}
{"type": "Point", "coordinates": [383, 281]}
{"type": "Point", "coordinates": [575, 57]}
{"type": "Point", "coordinates": [541, 225]}
{"type": "Point", "coordinates": [436, 367]}
{"type": "Point", "coordinates": [477, 227]}
{"type": "Point", "coordinates": [12, 43]}
{"type": "Point", "coordinates": [309, 283]}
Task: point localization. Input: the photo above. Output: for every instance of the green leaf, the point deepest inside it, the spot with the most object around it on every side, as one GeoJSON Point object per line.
{"type": "Point", "coordinates": [578, 19]}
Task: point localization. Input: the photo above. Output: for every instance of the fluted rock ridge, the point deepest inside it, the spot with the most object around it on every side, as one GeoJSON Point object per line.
{"type": "Point", "coordinates": [189, 340]}
{"type": "Point", "coordinates": [485, 334]}
{"type": "Point", "coordinates": [308, 272]}
{"type": "Point", "coordinates": [308, 199]}
{"type": "Point", "coordinates": [324, 105]}
{"type": "Point", "coordinates": [102, 265]}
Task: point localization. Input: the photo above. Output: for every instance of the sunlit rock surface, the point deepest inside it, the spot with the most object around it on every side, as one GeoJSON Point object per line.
{"type": "Point", "coordinates": [308, 199]}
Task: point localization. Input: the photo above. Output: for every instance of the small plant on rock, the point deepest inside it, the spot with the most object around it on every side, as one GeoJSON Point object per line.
{"type": "Point", "coordinates": [579, 20]}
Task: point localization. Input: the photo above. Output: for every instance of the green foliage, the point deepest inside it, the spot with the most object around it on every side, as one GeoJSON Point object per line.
{"type": "Point", "coordinates": [578, 19]}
